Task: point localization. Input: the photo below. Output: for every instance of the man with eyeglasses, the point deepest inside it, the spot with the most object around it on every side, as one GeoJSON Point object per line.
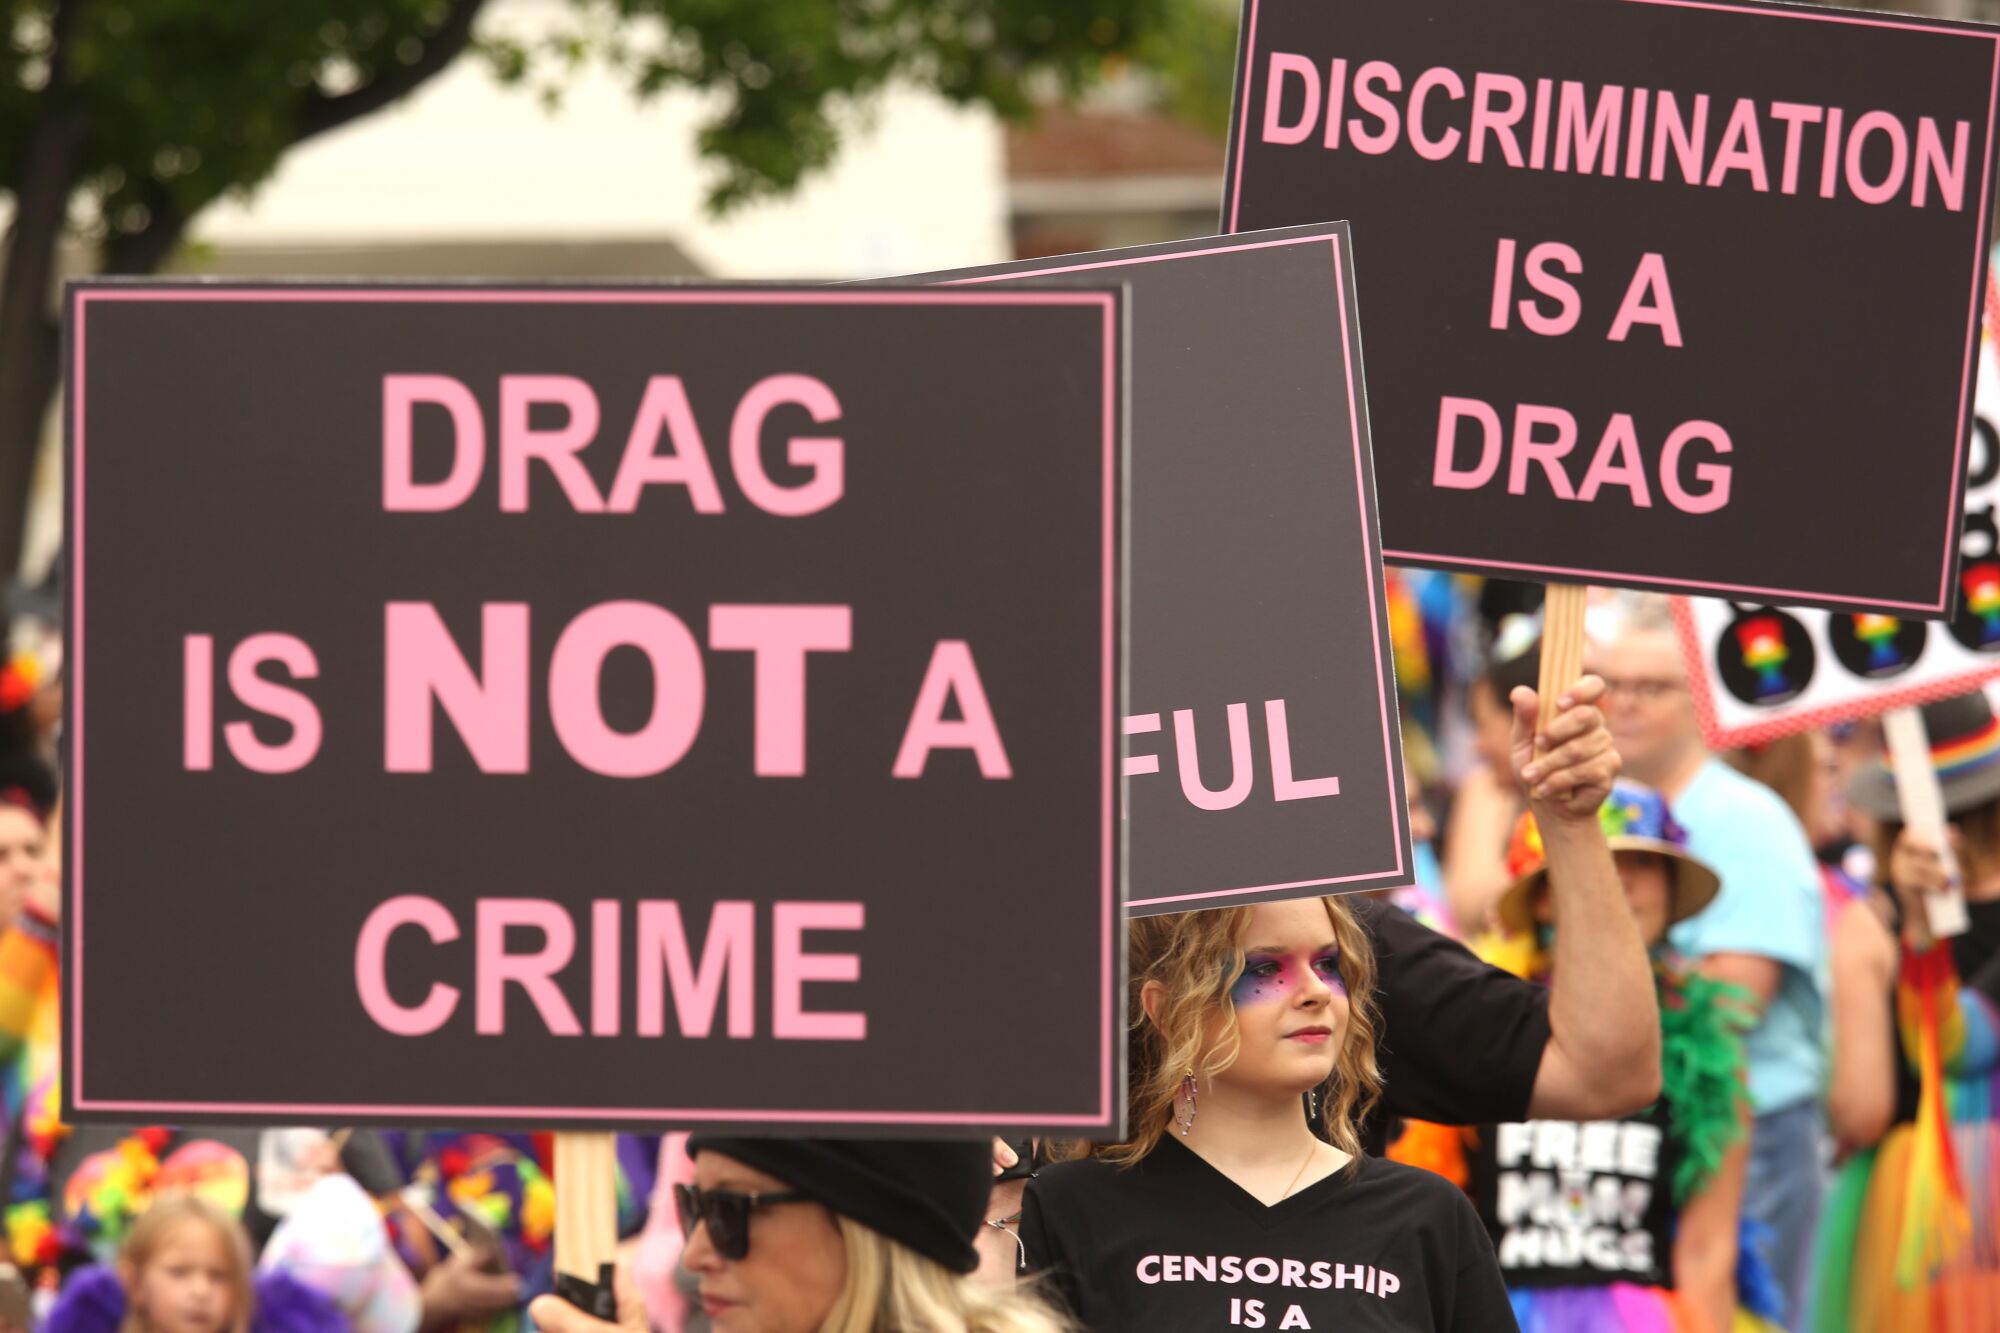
{"type": "Point", "coordinates": [1763, 932]}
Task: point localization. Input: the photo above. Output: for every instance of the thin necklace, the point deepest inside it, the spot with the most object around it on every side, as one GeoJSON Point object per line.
{"type": "Point", "coordinates": [1310, 1154]}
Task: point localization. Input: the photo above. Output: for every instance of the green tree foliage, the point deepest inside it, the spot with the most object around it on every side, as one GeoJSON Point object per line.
{"type": "Point", "coordinates": [122, 119]}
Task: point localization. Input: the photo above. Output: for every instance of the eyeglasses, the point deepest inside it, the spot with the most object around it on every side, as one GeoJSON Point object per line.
{"type": "Point", "coordinates": [1644, 689]}
{"type": "Point", "coordinates": [726, 1214]}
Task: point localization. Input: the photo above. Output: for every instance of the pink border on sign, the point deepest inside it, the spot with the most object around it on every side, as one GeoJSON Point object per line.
{"type": "Point", "coordinates": [1719, 737]}
{"type": "Point", "coordinates": [1240, 144]}
{"type": "Point", "coordinates": [1106, 303]}
{"type": "Point", "coordinates": [1361, 493]}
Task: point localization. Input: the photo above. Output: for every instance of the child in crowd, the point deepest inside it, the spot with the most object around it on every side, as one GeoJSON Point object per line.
{"type": "Point", "coordinates": [1241, 1197]}
{"type": "Point", "coordinates": [185, 1268]}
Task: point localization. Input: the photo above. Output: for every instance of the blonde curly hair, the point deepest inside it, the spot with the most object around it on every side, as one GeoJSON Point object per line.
{"type": "Point", "coordinates": [1197, 957]}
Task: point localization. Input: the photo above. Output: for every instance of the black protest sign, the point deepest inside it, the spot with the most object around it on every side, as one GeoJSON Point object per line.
{"type": "Point", "coordinates": [598, 707]}
{"type": "Point", "coordinates": [1262, 753]}
{"type": "Point", "coordinates": [1677, 294]}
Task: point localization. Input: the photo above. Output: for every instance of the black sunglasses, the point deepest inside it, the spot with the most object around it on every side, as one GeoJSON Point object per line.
{"type": "Point", "coordinates": [726, 1213]}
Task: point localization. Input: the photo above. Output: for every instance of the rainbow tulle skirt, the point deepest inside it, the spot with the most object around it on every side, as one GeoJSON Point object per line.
{"type": "Point", "coordinates": [1856, 1285]}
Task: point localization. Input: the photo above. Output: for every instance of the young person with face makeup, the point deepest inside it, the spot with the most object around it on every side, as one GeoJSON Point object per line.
{"type": "Point", "coordinates": [1253, 1026]}
{"type": "Point", "coordinates": [1257, 1054]}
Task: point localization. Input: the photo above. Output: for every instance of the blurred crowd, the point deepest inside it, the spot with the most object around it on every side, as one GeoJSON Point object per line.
{"type": "Point", "coordinates": [1823, 1095]}
{"type": "Point", "coordinates": [1798, 900]}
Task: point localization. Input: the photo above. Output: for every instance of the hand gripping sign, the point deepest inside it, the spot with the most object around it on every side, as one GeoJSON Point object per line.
{"type": "Point", "coordinates": [1596, 237]}
{"type": "Point", "coordinates": [594, 708]}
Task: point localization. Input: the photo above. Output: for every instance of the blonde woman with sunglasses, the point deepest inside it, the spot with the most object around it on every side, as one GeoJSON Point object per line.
{"type": "Point", "coordinates": [836, 1236]}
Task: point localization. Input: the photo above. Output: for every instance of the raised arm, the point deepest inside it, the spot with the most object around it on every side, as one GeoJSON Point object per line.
{"type": "Point", "coordinates": [1861, 1096]}
{"type": "Point", "coordinates": [1603, 1055]}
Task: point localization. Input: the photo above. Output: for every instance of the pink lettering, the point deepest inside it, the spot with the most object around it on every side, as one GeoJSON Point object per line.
{"type": "Point", "coordinates": [1716, 475]}
{"type": "Point", "coordinates": [1882, 191]}
{"type": "Point", "coordinates": [1442, 147]}
{"type": "Point", "coordinates": [820, 454]}
{"type": "Point", "coordinates": [678, 689]}
{"type": "Point", "coordinates": [1284, 786]}
{"type": "Point", "coordinates": [1592, 140]}
{"type": "Point", "coordinates": [489, 710]}
{"type": "Point", "coordinates": [1284, 64]}
{"type": "Point", "coordinates": [1796, 116]}
{"type": "Point", "coordinates": [792, 967]}
{"type": "Point", "coordinates": [1617, 463]}
{"type": "Point", "coordinates": [401, 492]}
{"type": "Point", "coordinates": [1649, 280]}
{"type": "Point", "coordinates": [1932, 166]}
{"type": "Point", "coordinates": [1140, 724]}
{"type": "Point", "coordinates": [1241, 774]}
{"type": "Point", "coordinates": [781, 636]}
{"type": "Point", "coordinates": [664, 413]}
{"type": "Point", "coordinates": [952, 674]}
{"type": "Point", "coordinates": [1545, 453]}
{"type": "Point", "coordinates": [606, 981]}
{"type": "Point", "coordinates": [521, 443]}
{"type": "Point", "coordinates": [1372, 103]}
{"type": "Point", "coordinates": [727, 954]}
{"type": "Point", "coordinates": [1445, 473]}
{"type": "Point", "coordinates": [1498, 123]}
{"type": "Point", "coordinates": [1742, 149]}
{"type": "Point", "coordinates": [533, 972]}
{"type": "Point", "coordinates": [1569, 308]}
{"type": "Point", "coordinates": [371, 980]}
{"type": "Point", "coordinates": [198, 703]}
{"type": "Point", "coordinates": [279, 701]}
{"type": "Point", "coordinates": [1688, 143]}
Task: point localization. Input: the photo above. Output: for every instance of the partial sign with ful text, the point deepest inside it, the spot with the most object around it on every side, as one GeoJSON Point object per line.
{"type": "Point", "coordinates": [1263, 759]}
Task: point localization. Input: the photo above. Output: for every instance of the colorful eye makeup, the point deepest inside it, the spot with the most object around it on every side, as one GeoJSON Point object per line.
{"type": "Point", "coordinates": [1272, 977]}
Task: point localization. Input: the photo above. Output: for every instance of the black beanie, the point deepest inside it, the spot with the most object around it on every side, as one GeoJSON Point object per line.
{"type": "Point", "coordinates": [930, 1196]}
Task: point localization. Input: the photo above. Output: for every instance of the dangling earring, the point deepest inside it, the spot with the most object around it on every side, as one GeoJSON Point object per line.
{"type": "Point", "coordinates": [1185, 1118]}
{"type": "Point", "coordinates": [1312, 1103]}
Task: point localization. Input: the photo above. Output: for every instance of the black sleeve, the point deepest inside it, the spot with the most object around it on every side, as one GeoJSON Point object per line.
{"type": "Point", "coordinates": [1459, 1041]}
{"type": "Point", "coordinates": [1479, 1302]}
{"type": "Point", "coordinates": [1042, 1253]}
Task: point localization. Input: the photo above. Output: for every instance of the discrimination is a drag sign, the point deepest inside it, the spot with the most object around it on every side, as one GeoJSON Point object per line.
{"type": "Point", "coordinates": [598, 707]}
{"type": "Point", "coordinates": [1657, 293]}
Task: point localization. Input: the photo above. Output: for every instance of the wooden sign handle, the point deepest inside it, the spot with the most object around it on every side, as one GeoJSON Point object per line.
{"type": "Point", "coordinates": [1921, 797]}
{"type": "Point", "coordinates": [1563, 606]}
{"type": "Point", "coordinates": [586, 1234]}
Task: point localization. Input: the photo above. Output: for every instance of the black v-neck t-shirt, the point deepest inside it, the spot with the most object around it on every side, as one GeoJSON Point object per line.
{"type": "Point", "coordinates": [1172, 1245]}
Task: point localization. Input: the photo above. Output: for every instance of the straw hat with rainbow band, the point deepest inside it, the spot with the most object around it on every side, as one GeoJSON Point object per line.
{"type": "Point", "coordinates": [1965, 751]}
{"type": "Point", "coordinates": [1634, 819]}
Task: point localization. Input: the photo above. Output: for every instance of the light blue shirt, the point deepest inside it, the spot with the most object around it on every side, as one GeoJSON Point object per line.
{"type": "Point", "coordinates": [1769, 906]}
